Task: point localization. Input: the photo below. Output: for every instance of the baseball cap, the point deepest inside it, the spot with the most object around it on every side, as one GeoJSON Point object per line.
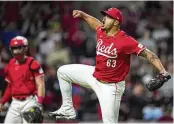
{"type": "Point", "coordinates": [18, 41]}
{"type": "Point", "coordinates": [114, 13]}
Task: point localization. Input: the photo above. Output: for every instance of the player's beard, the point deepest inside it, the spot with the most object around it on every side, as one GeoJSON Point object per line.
{"type": "Point", "coordinates": [103, 27]}
{"type": "Point", "coordinates": [19, 57]}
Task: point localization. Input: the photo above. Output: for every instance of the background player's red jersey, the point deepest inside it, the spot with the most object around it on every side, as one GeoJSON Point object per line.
{"type": "Point", "coordinates": [21, 80]}
{"type": "Point", "coordinates": [113, 55]}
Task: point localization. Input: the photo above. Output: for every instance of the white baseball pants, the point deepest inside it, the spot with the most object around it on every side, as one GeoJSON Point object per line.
{"type": "Point", "coordinates": [14, 114]}
{"type": "Point", "coordinates": [109, 94]}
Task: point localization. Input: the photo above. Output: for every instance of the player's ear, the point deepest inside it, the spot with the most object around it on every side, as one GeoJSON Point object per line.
{"type": "Point", "coordinates": [116, 23]}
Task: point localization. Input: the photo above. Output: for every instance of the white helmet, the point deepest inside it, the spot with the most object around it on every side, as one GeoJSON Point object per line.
{"type": "Point", "coordinates": [25, 41]}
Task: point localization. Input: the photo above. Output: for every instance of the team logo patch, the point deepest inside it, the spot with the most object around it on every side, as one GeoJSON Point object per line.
{"type": "Point", "coordinates": [140, 45]}
{"type": "Point", "coordinates": [40, 71]}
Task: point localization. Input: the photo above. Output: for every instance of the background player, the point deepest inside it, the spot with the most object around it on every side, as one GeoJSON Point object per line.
{"type": "Point", "coordinates": [107, 78]}
{"type": "Point", "coordinates": [25, 80]}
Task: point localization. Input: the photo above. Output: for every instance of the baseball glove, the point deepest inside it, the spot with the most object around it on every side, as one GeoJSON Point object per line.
{"type": "Point", "coordinates": [33, 115]}
{"type": "Point", "coordinates": [157, 82]}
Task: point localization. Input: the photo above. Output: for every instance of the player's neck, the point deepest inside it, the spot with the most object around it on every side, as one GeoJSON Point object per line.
{"type": "Point", "coordinates": [21, 61]}
{"type": "Point", "coordinates": [112, 31]}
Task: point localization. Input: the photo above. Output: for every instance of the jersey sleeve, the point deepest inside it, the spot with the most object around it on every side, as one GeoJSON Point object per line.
{"type": "Point", "coordinates": [98, 28]}
{"type": "Point", "coordinates": [37, 68]}
{"type": "Point", "coordinates": [132, 46]}
{"type": "Point", "coordinates": [39, 72]}
{"type": "Point", "coordinates": [7, 77]}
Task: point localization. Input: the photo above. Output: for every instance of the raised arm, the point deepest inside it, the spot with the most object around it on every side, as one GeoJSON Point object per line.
{"type": "Point", "coordinates": [93, 22]}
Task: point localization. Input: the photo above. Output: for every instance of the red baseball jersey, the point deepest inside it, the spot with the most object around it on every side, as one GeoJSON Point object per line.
{"type": "Point", "coordinates": [21, 79]}
{"type": "Point", "coordinates": [113, 55]}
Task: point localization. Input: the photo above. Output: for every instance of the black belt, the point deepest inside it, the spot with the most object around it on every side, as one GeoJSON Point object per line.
{"type": "Point", "coordinates": [106, 82]}
{"type": "Point", "coordinates": [102, 81]}
{"type": "Point", "coordinates": [21, 98]}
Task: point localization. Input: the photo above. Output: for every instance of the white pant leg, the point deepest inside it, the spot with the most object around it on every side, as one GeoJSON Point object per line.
{"type": "Point", "coordinates": [109, 96]}
{"type": "Point", "coordinates": [73, 73]}
{"type": "Point", "coordinates": [29, 103]}
{"type": "Point", "coordinates": [13, 114]}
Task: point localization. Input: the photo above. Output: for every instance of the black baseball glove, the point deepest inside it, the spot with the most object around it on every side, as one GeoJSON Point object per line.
{"type": "Point", "coordinates": [33, 115]}
{"type": "Point", "coordinates": [158, 82]}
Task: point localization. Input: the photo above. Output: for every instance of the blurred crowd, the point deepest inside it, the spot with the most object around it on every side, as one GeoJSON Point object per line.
{"type": "Point", "coordinates": [56, 38]}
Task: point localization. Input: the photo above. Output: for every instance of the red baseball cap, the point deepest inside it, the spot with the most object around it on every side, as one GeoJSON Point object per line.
{"type": "Point", "coordinates": [15, 42]}
{"type": "Point", "coordinates": [114, 13]}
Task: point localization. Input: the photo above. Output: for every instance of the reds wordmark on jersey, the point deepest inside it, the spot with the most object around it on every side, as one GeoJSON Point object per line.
{"type": "Point", "coordinates": [113, 55]}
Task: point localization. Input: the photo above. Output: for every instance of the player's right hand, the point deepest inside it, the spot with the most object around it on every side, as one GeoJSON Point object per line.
{"type": "Point", "coordinates": [1, 107]}
{"type": "Point", "coordinates": [77, 13]}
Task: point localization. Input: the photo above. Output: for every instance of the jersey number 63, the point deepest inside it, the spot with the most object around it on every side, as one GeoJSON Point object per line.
{"type": "Point", "coordinates": [111, 63]}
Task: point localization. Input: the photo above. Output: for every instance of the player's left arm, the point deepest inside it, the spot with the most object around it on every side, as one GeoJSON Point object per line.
{"type": "Point", "coordinates": [153, 59]}
{"type": "Point", "coordinates": [163, 75]}
{"type": "Point", "coordinates": [40, 82]}
{"type": "Point", "coordinates": [39, 79]}
{"type": "Point", "coordinates": [133, 47]}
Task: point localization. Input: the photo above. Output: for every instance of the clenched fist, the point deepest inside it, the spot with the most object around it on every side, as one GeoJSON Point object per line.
{"type": "Point", "coordinates": [77, 13]}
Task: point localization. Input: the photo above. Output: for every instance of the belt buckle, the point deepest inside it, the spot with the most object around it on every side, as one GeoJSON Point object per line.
{"type": "Point", "coordinates": [101, 81]}
{"type": "Point", "coordinates": [21, 99]}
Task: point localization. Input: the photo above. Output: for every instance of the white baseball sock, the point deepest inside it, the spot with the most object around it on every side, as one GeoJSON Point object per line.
{"type": "Point", "coordinates": [66, 90]}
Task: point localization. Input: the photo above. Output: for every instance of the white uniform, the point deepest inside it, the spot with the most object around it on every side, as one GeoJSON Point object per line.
{"type": "Point", "coordinates": [17, 107]}
{"type": "Point", "coordinates": [113, 55]}
{"type": "Point", "coordinates": [109, 94]}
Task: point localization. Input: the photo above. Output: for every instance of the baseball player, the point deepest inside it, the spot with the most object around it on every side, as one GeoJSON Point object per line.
{"type": "Point", "coordinates": [107, 79]}
{"type": "Point", "coordinates": [25, 82]}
